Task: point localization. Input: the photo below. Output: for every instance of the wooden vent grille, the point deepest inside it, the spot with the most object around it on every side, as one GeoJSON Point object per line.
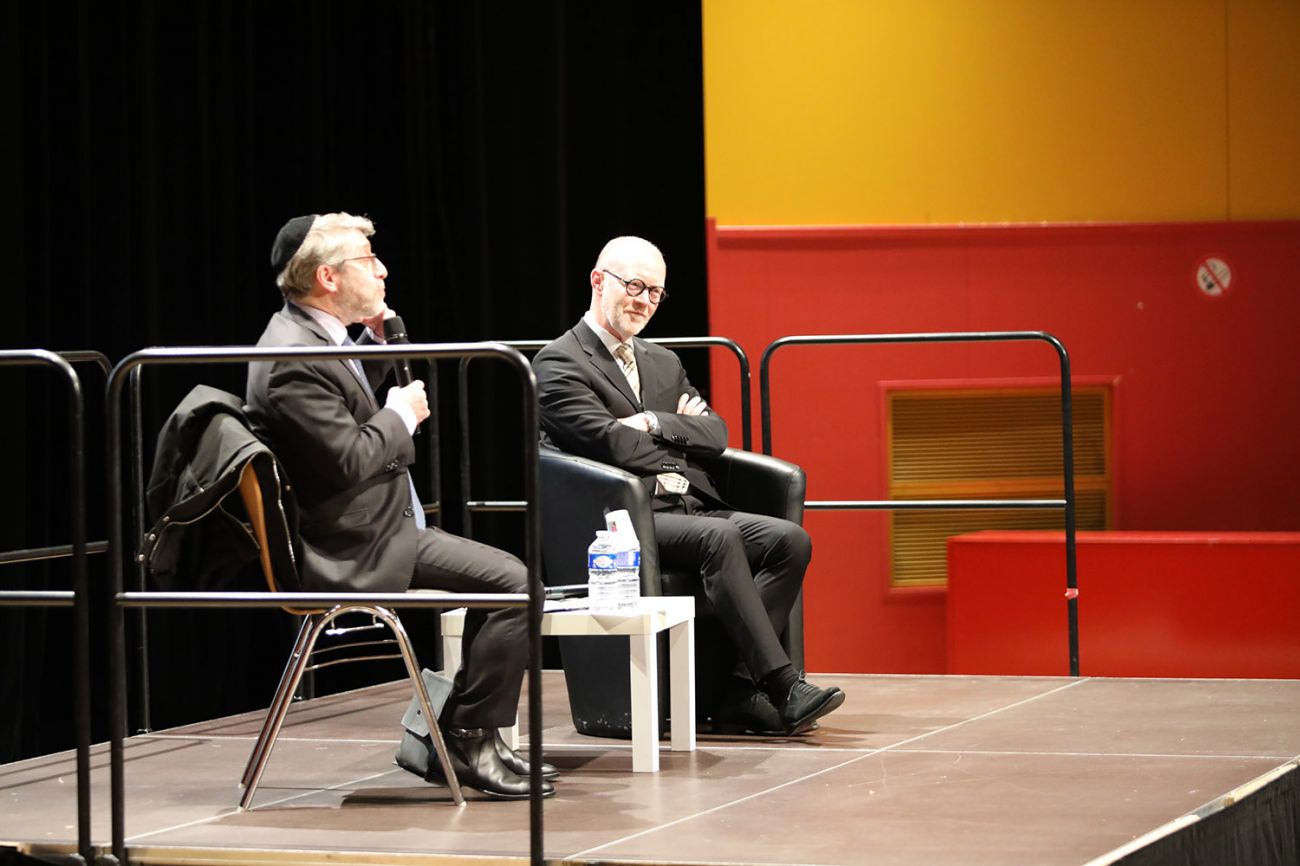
{"type": "Point", "coordinates": [988, 444]}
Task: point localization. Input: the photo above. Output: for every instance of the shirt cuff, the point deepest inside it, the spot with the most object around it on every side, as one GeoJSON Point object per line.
{"type": "Point", "coordinates": [654, 421]}
{"type": "Point", "coordinates": [671, 482]}
{"type": "Point", "coordinates": [403, 410]}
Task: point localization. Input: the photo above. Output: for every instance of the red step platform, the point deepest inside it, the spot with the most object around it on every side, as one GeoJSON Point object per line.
{"type": "Point", "coordinates": [1151, 604]}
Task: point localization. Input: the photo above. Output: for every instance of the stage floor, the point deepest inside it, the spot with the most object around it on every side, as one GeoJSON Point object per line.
{"type": "Point", "coordinates": [912, 769]}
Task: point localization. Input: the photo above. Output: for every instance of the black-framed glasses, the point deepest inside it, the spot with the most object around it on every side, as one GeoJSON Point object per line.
{"type": "Point", "coordinates": [636, 287]}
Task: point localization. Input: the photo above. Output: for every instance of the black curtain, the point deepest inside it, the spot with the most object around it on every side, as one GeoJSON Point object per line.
{"type": "Point", "coordinates": [153, 149]}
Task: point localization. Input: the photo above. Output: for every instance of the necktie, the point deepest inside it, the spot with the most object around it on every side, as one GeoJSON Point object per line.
{"type": "Point", "coordinates": [416, 508]}
{"type": "Point", "coordinates": [354, 365]}
{"type": "Point", "coordinates": [627, 362]}
{"type": "Point", "coordinates": [665, 482]}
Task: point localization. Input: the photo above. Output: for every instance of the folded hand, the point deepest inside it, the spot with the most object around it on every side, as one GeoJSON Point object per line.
{"type": "Point", "coordinates": [688, 405]}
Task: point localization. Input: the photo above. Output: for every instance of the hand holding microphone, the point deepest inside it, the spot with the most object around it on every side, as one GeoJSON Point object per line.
{"type": "Point", "coordinates": [412, 395]}
{"type": "Point", "coordinates": [395, 335]}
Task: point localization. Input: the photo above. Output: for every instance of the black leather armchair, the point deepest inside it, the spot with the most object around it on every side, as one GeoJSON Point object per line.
{"type": "Point", "coordinates": [576, 493]}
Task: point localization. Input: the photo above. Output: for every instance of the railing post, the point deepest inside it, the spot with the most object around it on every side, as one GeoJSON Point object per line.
{"type": "Point", "coordinates": [118, 548]}
{"type": "Point", "coordinates": [145, 703]}
{"type": "Point", "coordinates": [1068, 503]}
{"type": "Point", "coordinates": [79, 597]}
{"type": "Point", "coordinates": [471, 506]}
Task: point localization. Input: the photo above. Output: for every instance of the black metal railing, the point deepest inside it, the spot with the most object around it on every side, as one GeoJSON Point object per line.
{"type": "Point", "coordinates": [78, 597]}
{"type": "Point", "coordinates": [1067, 444]}
{"type": "Point", "coordinates": [120, 548]}
{"type": "Point", "coordinates": [62, 551]}
{"type": "Point", "coordinates": [144, 703]}
{"type": "Point", "coordinates": [471, 506]}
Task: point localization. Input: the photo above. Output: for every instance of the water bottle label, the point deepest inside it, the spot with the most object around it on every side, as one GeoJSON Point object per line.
{"type": "Point", "coordinates": [601, 561]}
{"type": "Point", "coordinates": [625, 559]}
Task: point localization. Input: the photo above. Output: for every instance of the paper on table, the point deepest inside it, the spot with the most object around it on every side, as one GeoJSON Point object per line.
{"type": "Point", "coordinates": [557, 604]}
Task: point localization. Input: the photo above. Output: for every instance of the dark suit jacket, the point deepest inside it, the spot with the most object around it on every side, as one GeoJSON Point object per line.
{"type": "Point", "coordinates": [583, 393]}
{"type": "Point", "coordinates": [196, 540]}
{"type": "Point", "coordinates": [346, 458]}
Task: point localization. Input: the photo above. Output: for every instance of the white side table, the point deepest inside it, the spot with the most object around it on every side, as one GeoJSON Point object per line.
{"type": "Point", "coordinates": [673, 613]}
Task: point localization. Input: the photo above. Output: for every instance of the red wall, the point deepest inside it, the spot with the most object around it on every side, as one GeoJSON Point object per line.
{"type": "Point", "coordinates": [1150, 604]}
{"type": "Point", "coordinates": [1205, 408]}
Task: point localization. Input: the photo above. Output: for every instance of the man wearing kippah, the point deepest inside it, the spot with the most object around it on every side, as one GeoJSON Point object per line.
{"type": "Point", "coordinates": [362, 529]}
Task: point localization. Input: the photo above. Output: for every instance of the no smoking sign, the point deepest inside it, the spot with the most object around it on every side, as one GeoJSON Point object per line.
{"type": "Point", "coordinates": [1213, 276]}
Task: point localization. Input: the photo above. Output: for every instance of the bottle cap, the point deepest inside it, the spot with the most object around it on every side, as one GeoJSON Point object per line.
{"type": "Point", "coordinates": [619, 522]}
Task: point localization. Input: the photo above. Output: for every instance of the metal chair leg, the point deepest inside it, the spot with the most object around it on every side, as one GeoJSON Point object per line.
{"type": "Point", "coordinates": [282, 693]}
{"type": "Point", "coordinates": [317, 625]}
{"type": "Point", "coordinates": [312, 627]}
{"type": "Point", "coordinates": [426, 706]}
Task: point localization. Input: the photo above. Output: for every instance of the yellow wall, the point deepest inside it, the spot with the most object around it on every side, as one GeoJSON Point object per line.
{"type": "Point", "coordinates": [841, 112]}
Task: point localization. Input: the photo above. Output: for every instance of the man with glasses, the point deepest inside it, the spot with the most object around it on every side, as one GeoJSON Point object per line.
{"type": "Point", "coordinates": [362, 527]}
{"type": "Point", "coordinates": [611, 397]}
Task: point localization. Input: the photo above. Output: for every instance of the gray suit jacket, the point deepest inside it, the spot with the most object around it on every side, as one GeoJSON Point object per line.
{"type": "Point", "coordinates": [583, 392]}
{"type": "Point", "coordinates": [346, 459]}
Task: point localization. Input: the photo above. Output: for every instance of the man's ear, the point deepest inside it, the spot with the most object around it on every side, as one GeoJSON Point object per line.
{"type": "Point", "coordinates": [597, 278]}
{"type": "Point", "coordinates": [325, 278]}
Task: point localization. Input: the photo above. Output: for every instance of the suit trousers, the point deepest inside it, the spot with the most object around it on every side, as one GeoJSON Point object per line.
{"type": "Point", "coordinates": [751, 567]}
{"type": "Point", "coordinates": [494, 649]}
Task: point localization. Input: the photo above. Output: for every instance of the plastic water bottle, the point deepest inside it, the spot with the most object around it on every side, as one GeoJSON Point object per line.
{"type": "Point", "coordinates": [627, 557]}
{"type": "Point", "coordinates": [602, 574]}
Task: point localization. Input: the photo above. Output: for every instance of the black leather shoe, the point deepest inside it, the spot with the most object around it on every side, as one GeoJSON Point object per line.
{"type": "Point", "coordinates": [745, 712]}
{"type": "Point", "coordinates": [517, 762]}
{"type": "Point", "coordinates": [806, 703]}
{"type": "Point", "coordinates": [477, 765]}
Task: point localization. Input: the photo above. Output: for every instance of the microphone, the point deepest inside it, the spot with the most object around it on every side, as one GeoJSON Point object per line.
{"type": "Point", "coordinates": [395, 335]}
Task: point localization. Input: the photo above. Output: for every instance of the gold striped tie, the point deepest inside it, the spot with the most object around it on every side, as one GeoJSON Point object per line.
{"type": "Point", "coordinates": [627, 362]}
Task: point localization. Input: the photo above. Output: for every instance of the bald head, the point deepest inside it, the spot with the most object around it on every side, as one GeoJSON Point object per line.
{"type": "Point", "coordinates": [628, 250]}
{"type": "Point", "coordinates": [623, 260]}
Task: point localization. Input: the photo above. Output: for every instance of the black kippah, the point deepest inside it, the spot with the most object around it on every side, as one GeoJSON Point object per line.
{"type": "Point", "coordinates": [289, 239]}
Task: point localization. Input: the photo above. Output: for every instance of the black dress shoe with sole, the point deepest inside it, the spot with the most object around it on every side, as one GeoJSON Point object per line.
{"type": "Point", "coordinates": [518, 763]}
{"type": "Point", "coordinates": [750, 713]}
{"type": "Point", "coordinates": [474, 758]}
{"type": "Point", "coordinates": [806, 704]}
